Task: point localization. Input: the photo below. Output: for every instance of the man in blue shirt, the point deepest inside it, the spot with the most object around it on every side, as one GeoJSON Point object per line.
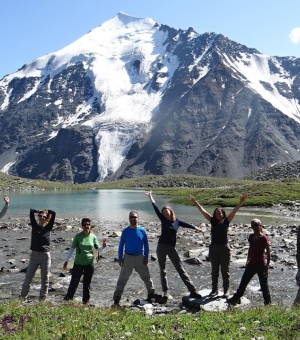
{"type": "Point", "coordinates": [134, 239]}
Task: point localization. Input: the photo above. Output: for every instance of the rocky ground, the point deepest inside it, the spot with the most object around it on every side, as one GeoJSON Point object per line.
{"type": "Point", "coordinates": [192, 247]}
{"type": "Point", "coordinates": [280, 171]}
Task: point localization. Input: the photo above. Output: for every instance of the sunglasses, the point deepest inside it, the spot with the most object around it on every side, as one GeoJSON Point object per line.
{"type": "Point", "coordinates": [42, 216]}
{"type": "Point", "coordinates": [84, 224]}
{"type": "Point", "coordinates": [133, 217]}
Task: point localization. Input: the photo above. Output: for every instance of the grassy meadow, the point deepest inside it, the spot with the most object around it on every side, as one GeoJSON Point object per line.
{"type": "Point", "coordinates": [73, 321]}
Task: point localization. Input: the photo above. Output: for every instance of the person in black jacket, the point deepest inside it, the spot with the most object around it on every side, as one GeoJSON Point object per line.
{"type": "Point", "coordinates": [40, 247]}
{"type": "Point", "coordinates": [166, 247]}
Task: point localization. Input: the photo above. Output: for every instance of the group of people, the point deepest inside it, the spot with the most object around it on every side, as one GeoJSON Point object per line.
{"type": "Point", "coordinates": [134, 241]}
{"type": "Point", "coordinates": [133, 253]}
{"type": "Point", "coordinates": [84, 243]}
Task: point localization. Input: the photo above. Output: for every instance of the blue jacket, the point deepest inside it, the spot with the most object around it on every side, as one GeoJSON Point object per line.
{"type": "Point", "coordinates": [135, 242]}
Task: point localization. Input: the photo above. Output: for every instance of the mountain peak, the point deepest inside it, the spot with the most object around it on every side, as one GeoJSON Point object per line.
{"type": "Point", "coordinates": [124, 19]}
{"type": "Point", "coordinates": [132, 98]}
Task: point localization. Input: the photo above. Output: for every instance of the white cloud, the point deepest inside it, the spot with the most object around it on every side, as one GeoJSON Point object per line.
{"type": "Point", "coordinates": [295, 35]}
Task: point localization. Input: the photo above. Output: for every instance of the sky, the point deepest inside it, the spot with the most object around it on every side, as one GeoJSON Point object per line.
{"type": "Point", "coordinates": [32, 28]}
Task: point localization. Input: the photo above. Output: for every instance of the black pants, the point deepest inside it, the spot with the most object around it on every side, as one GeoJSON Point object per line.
{"type": "Point", "coordinates": [77, 271]}
{"type": "Point", "coordinates": [250, 271]}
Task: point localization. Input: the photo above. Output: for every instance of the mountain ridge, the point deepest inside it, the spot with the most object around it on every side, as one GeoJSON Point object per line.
{"type": "Point", "coordinates": [149, 99]}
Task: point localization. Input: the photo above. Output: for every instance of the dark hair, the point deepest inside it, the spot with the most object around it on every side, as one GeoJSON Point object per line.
{"type": "Point", "coordinates": [133, 212]}
{"type": "Point", "coordinates": [173, 217]}
{"type": "Point", "coordinates": [84, 220]}
{"type": "Point", "coordinates": [223, 211]}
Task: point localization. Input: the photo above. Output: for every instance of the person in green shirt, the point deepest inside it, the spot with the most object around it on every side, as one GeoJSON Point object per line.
{"type": "Point", "coordinates": [84, 243]}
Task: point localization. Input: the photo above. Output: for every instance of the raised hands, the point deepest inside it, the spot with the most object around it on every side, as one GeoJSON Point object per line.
{"type": "Point", "coordinates": [6, 199]}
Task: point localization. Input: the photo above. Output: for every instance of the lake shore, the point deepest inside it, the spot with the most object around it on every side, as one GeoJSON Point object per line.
{"type": "Point", "coordinates": [192, 247]}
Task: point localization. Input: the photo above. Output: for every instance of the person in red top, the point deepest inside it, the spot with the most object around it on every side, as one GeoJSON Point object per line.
{"type": "Point", "coordinates": [256, 264]}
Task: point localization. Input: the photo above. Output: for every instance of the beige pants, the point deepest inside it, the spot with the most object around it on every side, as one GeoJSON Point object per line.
{"type": "Point", "coordinates": [133, 262]}
{"type": "Point", "coordinates": [219, 256]}
{"type": "Point", "coordinates": [37, 259]}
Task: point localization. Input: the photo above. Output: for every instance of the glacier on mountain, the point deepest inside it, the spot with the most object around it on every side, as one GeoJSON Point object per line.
{"type": "Point", "coordinates": [132, 66]}
{"type": "Point", "coordinates": [120, 56]}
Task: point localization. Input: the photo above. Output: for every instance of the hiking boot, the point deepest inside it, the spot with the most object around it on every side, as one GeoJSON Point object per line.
{"type": "Point", "coordinates": [214, 292]}
{"type": "Point", "coordinates": [150, 296]}
{"type": "Point", "coordinates": [234, 301]}
{"type": "Point", "coordinates": [195, 295]}
{"type": "Point", "coordinates": [67, 298]}
{"type": "Point", "coordinates": [117, 300]}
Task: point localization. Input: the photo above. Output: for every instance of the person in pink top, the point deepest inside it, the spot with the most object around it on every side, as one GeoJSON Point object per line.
{"type": "Point", "coordinates": [256, 264]}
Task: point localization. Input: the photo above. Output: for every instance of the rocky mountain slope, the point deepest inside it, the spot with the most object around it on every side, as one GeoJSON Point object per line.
{"type": "Point", "coordinates": [132, 97]}
{"type": "Point", "coordinates": [286, 170]}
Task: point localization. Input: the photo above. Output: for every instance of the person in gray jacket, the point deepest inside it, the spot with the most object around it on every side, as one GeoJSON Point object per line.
{"type": "Point", "coordinates": [4, 210]}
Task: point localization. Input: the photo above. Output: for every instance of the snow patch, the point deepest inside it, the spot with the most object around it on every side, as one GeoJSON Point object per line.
{"type": "Point", "coordinates": [262, 80]}
{"type": "Point", "coordinates": [6, 167]}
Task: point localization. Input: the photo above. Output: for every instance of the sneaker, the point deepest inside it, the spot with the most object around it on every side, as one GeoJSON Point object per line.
{"type": "Point", "coordinates": [214, 292]}
{"type": "Point", "coordinates": [226, 293]}
{"type": "Point", "coordinates": [195, 295]}
{"type": "Point", "coordinates": [167, 295]}
{"type": "Point", "coordinates": [234, 301]}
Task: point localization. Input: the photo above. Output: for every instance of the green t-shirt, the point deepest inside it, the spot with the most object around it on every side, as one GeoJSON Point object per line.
{"type": "Point", "coordinates": [84, 245]}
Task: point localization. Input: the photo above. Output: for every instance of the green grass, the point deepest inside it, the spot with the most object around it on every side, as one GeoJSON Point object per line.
{"type": "Point", "coordinates": [259, 193]}
{"type": "Point", "coordinates": [207, 190]}
{"type": "Point", "coordinates": [76, 322]}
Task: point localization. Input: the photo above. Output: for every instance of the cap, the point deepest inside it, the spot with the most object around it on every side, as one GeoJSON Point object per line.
{"type": "Point", "coordinates": [255, 221]}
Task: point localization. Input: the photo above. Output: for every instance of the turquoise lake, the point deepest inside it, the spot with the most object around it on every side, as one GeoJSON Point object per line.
{"type": "Point", "coordinates": [114, 205]}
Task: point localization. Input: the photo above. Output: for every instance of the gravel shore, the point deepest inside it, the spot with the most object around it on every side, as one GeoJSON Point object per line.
{"type": "Point", "coordinates": [193, 248]}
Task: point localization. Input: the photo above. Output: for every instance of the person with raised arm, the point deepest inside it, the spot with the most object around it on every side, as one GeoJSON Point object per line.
{"type": "Point", "coordinates": [84, 242]}
{"type": "Point", "coordinates": [219, 250]}
{"type": "Point", "coordinates": [166, 247]}
{"type": "Point", "coordinates": [4, 210]}
{"type": "Point", "coordinates": [40, 247]}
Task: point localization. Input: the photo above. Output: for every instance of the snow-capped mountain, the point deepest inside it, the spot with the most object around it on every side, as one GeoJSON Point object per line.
{"type": "Point", "coordinates": [132, 97]}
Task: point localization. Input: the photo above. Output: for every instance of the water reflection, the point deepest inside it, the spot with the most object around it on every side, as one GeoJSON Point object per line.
{"type": "Point", "coordinates": [114, 205]}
